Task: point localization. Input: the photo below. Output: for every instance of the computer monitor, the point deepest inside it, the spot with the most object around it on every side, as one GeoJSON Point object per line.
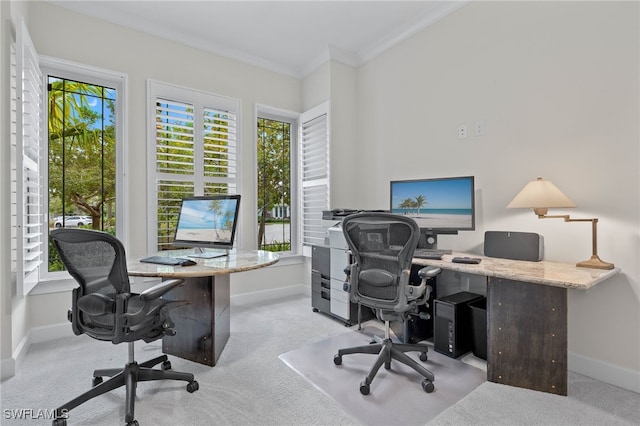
{"type": "Point", "coordinates": [208, 222]}
{"type": "Point", "coordinates": [438, 205]}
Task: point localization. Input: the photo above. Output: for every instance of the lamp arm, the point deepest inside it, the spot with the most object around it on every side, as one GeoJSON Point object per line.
{"type": "Point", "coordinates": [594, 228]}
{"type": "Point", "coordinates": [595, 261]}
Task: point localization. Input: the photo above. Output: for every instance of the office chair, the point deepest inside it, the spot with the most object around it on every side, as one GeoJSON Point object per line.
{"type": "Point", "coordinates": [104, 308]}
{"type": "Point", "coordinates": [382, 246]}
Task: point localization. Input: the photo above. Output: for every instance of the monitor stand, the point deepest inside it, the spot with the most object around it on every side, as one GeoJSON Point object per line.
{"type": "Point", "coordinates": [209, 254]}
{"type": "Point", "coordinates": [429, 241]}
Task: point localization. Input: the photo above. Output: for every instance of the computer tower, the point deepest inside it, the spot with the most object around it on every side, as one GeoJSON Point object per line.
{"type": "Point", "coordinates": [415, 329]}
{"type": "Point", "coordinates": [453, 333]}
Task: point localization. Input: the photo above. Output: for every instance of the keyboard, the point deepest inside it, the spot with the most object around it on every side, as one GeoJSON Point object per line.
{"type": "Point", "coordinates": [430, 254]}
{"type": "Point", "coordinates": [163, 260]}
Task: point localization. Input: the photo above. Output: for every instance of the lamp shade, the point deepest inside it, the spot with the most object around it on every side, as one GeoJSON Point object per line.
{"type": "Point", "coordinates": [540, 194]}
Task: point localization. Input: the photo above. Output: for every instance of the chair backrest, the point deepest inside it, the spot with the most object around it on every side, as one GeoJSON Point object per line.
{"type": "Point", "coordinates": [382, 245]}
{"type": "Point", "coordinates": [97, 261]}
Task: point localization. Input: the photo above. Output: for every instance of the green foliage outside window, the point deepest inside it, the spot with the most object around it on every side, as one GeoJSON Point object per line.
{"type": "Point", "coordinates": [81, 155]}
{"type": "Point", "coordinates": [274, 183]}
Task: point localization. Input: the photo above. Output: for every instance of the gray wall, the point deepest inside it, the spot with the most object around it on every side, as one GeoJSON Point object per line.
{"type": "Point", "coordinates": [557, 86]}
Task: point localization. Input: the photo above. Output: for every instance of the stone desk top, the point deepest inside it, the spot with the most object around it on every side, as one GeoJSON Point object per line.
{"type": "Point", "coordinates": [545, 272]}
{"type": "Point", "coordinates": [235, 261]}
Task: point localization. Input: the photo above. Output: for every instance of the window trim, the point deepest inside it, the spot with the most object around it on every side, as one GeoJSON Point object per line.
{"type": "Point", "coordinates": [293, 118]}
{"type": "Point", "coordinates": [103, 77]}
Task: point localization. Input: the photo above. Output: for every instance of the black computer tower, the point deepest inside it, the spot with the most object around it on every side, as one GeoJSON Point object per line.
{"type": "Point", "coordinates": [453, 333]}
{"type": "Point", "coordinates": [415, 329]}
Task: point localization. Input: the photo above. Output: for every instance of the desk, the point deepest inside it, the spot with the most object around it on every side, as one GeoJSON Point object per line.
{"type": "Point", "coordinates": [203, 326]}
{"type": "Point", "coordinates": [527, 317]}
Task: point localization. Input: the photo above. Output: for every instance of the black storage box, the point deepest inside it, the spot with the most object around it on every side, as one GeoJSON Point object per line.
{"type": "Point", "coordinates": [479, 327]}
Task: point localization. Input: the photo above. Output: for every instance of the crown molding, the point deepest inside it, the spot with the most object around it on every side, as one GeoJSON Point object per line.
{"type": "Point", "coordinates": [440, 10]}
{"type": "Point", "coordinates": [425, 20]}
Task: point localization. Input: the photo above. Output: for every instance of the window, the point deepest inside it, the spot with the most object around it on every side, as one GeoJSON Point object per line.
{"type": "Point", "coordinates": [275, 138]}
{"type": "Point", "coordinates": [314, 172]}
{"type": "Point", "coordinates": [82, 157]}
{"type": "Point", "coordinates": [193, 138]}
{"type": "Point", "coordinates": [84, 151]}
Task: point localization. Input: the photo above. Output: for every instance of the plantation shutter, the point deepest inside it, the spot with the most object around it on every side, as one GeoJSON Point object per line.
{"type": "Point", "coordinates": [314, 172]}
{"type": "Point", "coordinates": [27, 90]}
{"type": "Point", "coordinates": [194, 151]}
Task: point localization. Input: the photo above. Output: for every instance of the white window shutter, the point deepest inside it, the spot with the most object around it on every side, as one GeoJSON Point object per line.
{"type": "Point", "coordinates": [28, 173]}
{"type": "Point", "coordinates": [194, 144]}
{"type": "Point", "coordinates": [314, 172]}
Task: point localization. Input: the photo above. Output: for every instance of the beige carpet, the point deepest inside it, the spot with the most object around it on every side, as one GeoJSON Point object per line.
{"type": "Point", "coordinates": [396, 396]}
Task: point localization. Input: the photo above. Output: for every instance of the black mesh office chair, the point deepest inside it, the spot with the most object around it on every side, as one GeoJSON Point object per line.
{"type": "Point", "coordinates": [104, 308]}
{"type": "Point", "coordinates": [382, 246]}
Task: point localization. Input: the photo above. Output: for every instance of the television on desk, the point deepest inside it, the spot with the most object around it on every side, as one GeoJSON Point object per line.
{"type": "Point", "coordinates": [438, 205]}
{"type": "Point", "coordinates": [208, 222]}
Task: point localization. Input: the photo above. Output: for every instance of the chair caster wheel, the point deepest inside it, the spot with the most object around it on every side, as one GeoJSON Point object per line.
{"type": "Point", "coordinates": [387, 365]}
{"type": "Point", "coordinates": [192, 386]}
{"type": "Point", "coordinates": [166, 365]}
{"type": "Point", "coordinates": [427, 386]}
{"type": "Point", "coordinates": [96, 381]}
{"type": "Point", "coordinates": [337, 360]}
{"type": "Point", "coordinates": [364, 388]}
{"type": "Point", "coordinates": [133, 423]}
{"type": "Point", "coordinates": [59, 422]}
{"type": "Point", "coordinates": [423, 356]}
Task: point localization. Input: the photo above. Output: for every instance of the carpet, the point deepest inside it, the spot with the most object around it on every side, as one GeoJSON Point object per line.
{"type": "Point", "coordinates": [396, 396]}
{"type": "Point", "coordinates": [590, 403]}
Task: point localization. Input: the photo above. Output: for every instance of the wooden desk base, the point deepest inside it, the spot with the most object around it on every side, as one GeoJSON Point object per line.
{"type": "Point", "coordinates": [202, 326]}
{"type": "Point", "coordinates": [527, 316]}
{"type": "Point", "coordinates": [527, 335]}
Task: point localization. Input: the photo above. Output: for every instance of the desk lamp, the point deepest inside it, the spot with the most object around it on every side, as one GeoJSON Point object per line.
{"type": "Point", "coordinates": [541, 195]}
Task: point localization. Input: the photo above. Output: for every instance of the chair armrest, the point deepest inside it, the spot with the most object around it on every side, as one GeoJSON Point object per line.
{"type": "Point", "coordinates": [159, 289]}
{"type": "Point", "coordinates": [429, 272]}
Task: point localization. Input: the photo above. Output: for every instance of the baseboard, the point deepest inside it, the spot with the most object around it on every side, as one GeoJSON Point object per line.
{"type": "Point", "coordinates": [271, 294]}
{"type": "Point", "coordinates": [7, 368]}
{"type": "Point", "coordinates": [605, 372]}
{"type": "Point", "coordinates": [51, 332]}
{"type": "Point", "coordinates": [35, 335]}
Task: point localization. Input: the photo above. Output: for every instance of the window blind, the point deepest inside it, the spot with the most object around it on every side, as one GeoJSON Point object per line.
{"type": "Point", "coordinates": [28, 154]}
{"type": "Point", "coordinates": [314, 171]}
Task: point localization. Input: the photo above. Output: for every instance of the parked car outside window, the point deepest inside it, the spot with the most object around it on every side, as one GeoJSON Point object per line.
{"type": "Point", "coordinates": [70, 221]}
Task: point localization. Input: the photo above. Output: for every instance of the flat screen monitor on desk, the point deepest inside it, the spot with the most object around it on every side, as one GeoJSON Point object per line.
{"type": "Point", "coordinates": [438, 205]}
{"type": "Point", "coordinates": [208, 222]}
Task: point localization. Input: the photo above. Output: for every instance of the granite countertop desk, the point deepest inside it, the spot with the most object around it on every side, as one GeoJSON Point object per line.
{"type": "Point", "coordinates": [527, 316]}
{"type": "Point", "coordinates": [202, 326]}
{"type": "Point", "coordinates": [549, 273]}
{"type": "Point", "coordinates": [236, 261]}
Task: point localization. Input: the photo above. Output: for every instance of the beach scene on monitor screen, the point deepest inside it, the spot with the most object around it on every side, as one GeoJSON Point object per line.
{"type": "Point", "coordinates": [439, 204]}
{"type": "Point", "coordinates": [206, 220]}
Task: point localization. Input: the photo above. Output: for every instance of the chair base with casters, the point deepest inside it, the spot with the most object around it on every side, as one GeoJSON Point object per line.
{"type": "Point", "coordinates": [129, 376]}
{"type": "Point", "coordinates": [388, 351]}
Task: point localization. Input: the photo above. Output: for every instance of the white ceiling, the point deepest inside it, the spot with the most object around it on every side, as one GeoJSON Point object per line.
{"type": "Point", "coordinates": [290, 37]}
